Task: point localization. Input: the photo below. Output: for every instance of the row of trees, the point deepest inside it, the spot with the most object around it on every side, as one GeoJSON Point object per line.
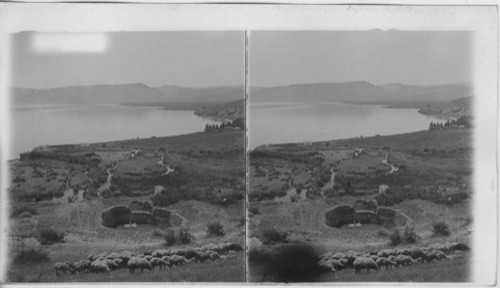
{"type": "Point", "coordinates": [464, 121]}
{"type": "Point", "coordinates": [236, 123]}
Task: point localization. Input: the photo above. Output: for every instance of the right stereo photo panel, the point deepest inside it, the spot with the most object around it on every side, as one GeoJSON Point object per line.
{"type": "Point", "coordinates": [360, 156]}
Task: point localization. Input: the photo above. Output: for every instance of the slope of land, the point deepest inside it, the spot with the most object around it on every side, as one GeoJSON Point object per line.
{"type": "Point", "coordinates": [194, 180]}
{"type": "Point", "coordinates": [418, 178]}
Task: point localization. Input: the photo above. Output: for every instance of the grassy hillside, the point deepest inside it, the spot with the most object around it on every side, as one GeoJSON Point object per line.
{"type": "Point", "coordinates": [66, 188]}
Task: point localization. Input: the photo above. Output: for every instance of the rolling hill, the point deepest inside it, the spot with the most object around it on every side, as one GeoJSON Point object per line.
{"type": "Point", "coordinates": [135, 93]}
{"type": "Point", "coordinates": [361, 92]}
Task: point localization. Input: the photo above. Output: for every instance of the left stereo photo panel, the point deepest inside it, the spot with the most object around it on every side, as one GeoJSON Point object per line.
{"type": "Point", "coordinates": [127, 157]}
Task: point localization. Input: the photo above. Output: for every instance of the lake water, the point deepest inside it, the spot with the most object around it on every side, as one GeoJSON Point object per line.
{"type": "Point", "coordinates": [273, 123]}
{"type": "Point", "coordinates": [33, 126]}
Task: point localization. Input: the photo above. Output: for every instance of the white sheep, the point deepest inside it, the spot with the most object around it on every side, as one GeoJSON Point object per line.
{"type": "Point", "coordinates": [139, 263]}
{"type": "Point", "coordinates": [64, 267]}
{"type": "Point", "coordinates": [364, 263]}
{"type": "Point", "coordinates": [82, 266]}
{"type": "Point", "coordinates": [99, 267]}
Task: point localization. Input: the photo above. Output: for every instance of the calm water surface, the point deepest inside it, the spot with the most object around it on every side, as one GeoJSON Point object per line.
{"type": "Point", "coordinates": [33, 126]}
{"type": "Point", "coordinates": [304, 122]}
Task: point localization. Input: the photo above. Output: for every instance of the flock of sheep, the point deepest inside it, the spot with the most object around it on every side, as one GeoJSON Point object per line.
{"type": "Point", "coordinates": [334, 261]}
{"type": "Point", "coordinates": [148, 260]}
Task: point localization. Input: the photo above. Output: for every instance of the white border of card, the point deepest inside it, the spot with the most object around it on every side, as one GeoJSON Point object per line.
{"type": "Point", "coordinates": [482, 20]}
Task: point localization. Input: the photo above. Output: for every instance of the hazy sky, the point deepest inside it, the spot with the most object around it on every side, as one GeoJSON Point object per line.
{"type": "Point", "coordinates": [379, 57]}
{"type": "Point", "coordinates": [191, 59]}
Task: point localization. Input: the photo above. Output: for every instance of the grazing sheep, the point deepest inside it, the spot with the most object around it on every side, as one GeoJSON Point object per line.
{"type": "Point", "coordinates": [344, 262]}
{"type": "Point", "coordinates": [429, 256]}
{"type": "Point", "coordinates": [416, 252]}
{"type": "Point", "coordinates": [160, 253]}
{"type": "Point", "coordinates": [336, 264]}
{"type": "Point", "coordinates": [403, 260]}
{"type": "Point", "coordinates": [148, 257]}
{"type": "Point", "coordinates": [111, 264]}
{"type": "Point", "coordinates": [381, 261]}
{"type": "Point", "coordinates": [82, 266]}
{"type": "Point", "coordinates": [190, 253]}
{"type": "Point", "coordinates": [149, 252]}
{"type": "Point", "coordinates": [339, 255]}
{"type": "Point", "coordinates": [373, 257]}
{"type": "Point", "coordinates": [213, 255]}
{"type": "Point", "coordinates": [113, 255]}
{"type": "Point", "coordinates": [65, 268]}
{"type": "Point", "coordinates": [99, 267]}
{"type": "Point", "coordinates": [101, 255]}
{"type": "Point", "coordinates": [386, 253]}
{"type": "Point", "coordinates": [119, 262]}
{"type": "Point", "coordinates": [157, 262]}
{"type": "Point", "coordinates": [177, 260]}
{"type": "Point", "coordinates": [440, 255]}
{"type": "Point", "coordinates": [364, 263]}
{"type": "Point", "coordinates": [202, 256]}
{"type": "Point", "coordinates": [139, 263]}
{"type": "Point", "coordinates": [325, 266]}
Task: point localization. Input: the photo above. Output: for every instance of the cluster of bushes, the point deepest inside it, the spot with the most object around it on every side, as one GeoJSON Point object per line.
{"type": "Point", "coordinates": [408, 236]}
{"type": "Point", "coordinates": [465, 121]}
{"type": "Point", "coordinates": [236, 123]}
{"type": "Point", "coordinates": [183, 236]}
{"type": "Point", "coordinates": [215, 230]}
{"type": "Point", "coordinates": [440, 229]}
{"type": "Point", "coordinates": [263, 195]}
{"type": "Point", "coordinates": [49, 236]}
{"type": "Point", "coordinates": [23, 210]}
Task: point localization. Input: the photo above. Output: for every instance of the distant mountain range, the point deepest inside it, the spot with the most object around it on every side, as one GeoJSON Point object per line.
{"type": "Point", "coordinates": [361, 92]}
{"type": "Point", "coordinates": [138, 93]}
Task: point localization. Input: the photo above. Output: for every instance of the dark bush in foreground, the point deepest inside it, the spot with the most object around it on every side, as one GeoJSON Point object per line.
{"type": "Point", "coordinates": [215, 229]}
{"type": "Point", "coordinates": [184, 236]}
{"type": "Point", "coordinates": [395, 237]}
{"type": "Point", "coordinates": [410, 236]}
{"type": "Point", "coordinates": [258, 256]}
{"type": "Point", "coordinates": [31, 255]}
{"type": "Point", "coordinates": [273, 236]}
{"type": "Point", "coordinates": [49, 236]}
{"type": "Point", "coordinates": [170, 238]}
{"type": "Point", "coordinates": [290, 263]}
{"type": "Point", "coordinates": [440, 229]}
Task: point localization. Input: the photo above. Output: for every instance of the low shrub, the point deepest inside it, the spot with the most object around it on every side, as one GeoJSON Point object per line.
{"type": "Point", "coordinates": [409, 235]}
{"type": "Point", "coordinates": [49, 236]}
{"type": "Point", "coordinates": [382, 232]}
{"type": "Point", "coordinates": [254, 210]}
{"type": "Point", "coordinates": [215, 229]}
{"type": "Point", "coordinates": [184, 236]}
{"type": "Point", "coordinates": [273, 236]}
{"type": "Point", "coordinates": [170, 238]}
{"type": "Point", "coordinates": [158, 233]}
{"type": "Point", "coordinates": [18, 211]}
{"type": "Point", "coordinates": [395, 237]}
{"type": "Point", "coordinates": [440, 229]}
{"type": "Point", "coordinates": [31, 255]}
